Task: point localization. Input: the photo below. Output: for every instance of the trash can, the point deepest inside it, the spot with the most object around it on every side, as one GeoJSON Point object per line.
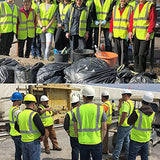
{"type": "Point", "coordinates": [58, 57]}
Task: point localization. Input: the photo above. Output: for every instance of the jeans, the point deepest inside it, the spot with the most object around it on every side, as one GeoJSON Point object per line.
{"type": "Point", "coordinates": [18, 147]}
{"type": "Point", "coordinates": [135, 147]}
{"type": "Point", "coordinates": [94, 150]}
{"type": "Point", "coordinates": [31, 150]}
{"type": "Point", "coordinates": [36, 46]}
{"type": "Point", "coordinates": [122, 137]}
{"type": "Point", "coordinates": [75, 148]}
{"type": "Point", "coordinates": [46, 42]}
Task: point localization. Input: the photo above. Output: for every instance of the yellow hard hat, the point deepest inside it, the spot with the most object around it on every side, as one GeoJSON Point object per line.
{"type": "Point", "coordinates": [30, 97]}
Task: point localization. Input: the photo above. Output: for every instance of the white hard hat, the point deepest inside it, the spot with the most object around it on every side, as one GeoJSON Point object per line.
{"type": "Point", "coordinates": [74, 99]}
{"type": "Point", "coordinates": [148, 97]}
{"type": "Point", "coordinates": [44, 98]}
{"type": "Point", "coordinates": [88, 91]}
{"type": "Point", "coordinates": [126, 91]}
{"type": "Point", "coordinates": [105, 93]}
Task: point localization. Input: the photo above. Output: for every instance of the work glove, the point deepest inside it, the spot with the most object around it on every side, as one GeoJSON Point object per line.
{"type": "Point", "coordinates": [96, 22]}
{"type": "Point", "coordinates": [110, 36]}
{"type": "Point", "coordinates": [103, 22]}
{"type": "Point", "coordinates": [127, 37]}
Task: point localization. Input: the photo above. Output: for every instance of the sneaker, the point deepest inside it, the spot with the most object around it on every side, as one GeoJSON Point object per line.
{"type": "Point", "coordinates": [57, 149]}
{"type": "Point", "coordinates": [47, 151]}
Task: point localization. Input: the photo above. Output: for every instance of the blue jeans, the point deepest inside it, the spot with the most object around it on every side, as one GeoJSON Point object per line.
{"type": "Point", "coordinates": [94, 150]}
{"type": "Point", "coordinates": [18, 147]}
{"type": "Point", "coordinates": [122, 137]}
{"type": "Point", "coordinates": [75, 148]}
{"type": "Point", "coordinates": [36, 46]}
{"type": "Point", "coordinates": [31, 150]}
{"type": "Point", "coordinates": [135, 147]}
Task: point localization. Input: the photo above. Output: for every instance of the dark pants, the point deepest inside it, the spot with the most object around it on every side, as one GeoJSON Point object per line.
{"type": "Point", "coordinates": [18, 147]}
{"type": "Point", "coordinates": [89, 42]}
{"type": "Point", "coordinates": [118, 49]}
{"type": "Point", "coordinates": [21, 47]}
{"type": "Point", "coordinates": [75, 148]}
{"type": "Point", "coordinates": [94, 150]}
{"type": "Point", "coordinates": [108, 45]}
{"type": "Point", "coordinates": [141, 50]}
{"type": "Point", "coordinates": [60, 39]}
{"type": "Point", "coordinates": [135, 147]}
{"type": "Point", "coordinates": [6, 43]}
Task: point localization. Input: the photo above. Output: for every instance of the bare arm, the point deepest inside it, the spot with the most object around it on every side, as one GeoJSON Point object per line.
{"type": "Point", "coordinates": [39, 20]}
{"type": "Point", "coordinates": [75, 128]}
{"type": "Point", "coordinates": [50, 23]}
{"type": "Point", "coordinates": [104, 129]}
{"type": "Point", "coordinates": [119, 105]}
{"type": "Point", "coordinates": [46, 109]}
{"type": "Point", "coordinates": [124, 115]}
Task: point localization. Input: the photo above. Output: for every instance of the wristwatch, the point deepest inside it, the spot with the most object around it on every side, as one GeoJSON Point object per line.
{"type": "Point", "coordinates": [41, 27]}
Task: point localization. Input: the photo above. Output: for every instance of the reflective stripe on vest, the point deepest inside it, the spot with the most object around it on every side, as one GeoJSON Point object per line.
{"type": "Point", "coordinates": [109, 112]}
{"type": "Point", "coordinates": [12, 121]}
{"type": "Point", "coordinates": [141, 21]}
{"type": "Point", "coordinates": [129, 109]}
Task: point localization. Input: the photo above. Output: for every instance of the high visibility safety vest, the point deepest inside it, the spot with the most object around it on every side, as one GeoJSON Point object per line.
{"type": "Point", "coordinates": [109, 112]}
{"type": "Point", "coordinates": [12, 120]}
{"type": "Point", "coordinates": [141, 21]}
{"type": "Point", "coordinates": [113, 105]}
{"type": "Point", "coordinates": [26, 27]}
{"type": "Point", "coordinates": [46, 17]}
{"type": "Point", "coordinates": [8, 18]}
{"type": "Point", "coordinates": [121, 23]}
{"type": "Point", "coordinates": [82, 22]}
{"type": "Point", "coordinates": [63, 10]}
{"type": "Point", "coordinates": [46, 117]}
{"type": "Point", "coordinates": [89, 117]}
{"type": "Point", "coordinates": [102, 12]}
{"type": "Point", "coordinates": [88, 4]}
{"type": "Point", "coordinates": [71, 128]}
{"type": "Point", "coordinates": [34, 6]}
{"type": "Point", "coordinates": [28, 129]}
{"type": "Point", "coordinates": [131, 107]}
{"type": "Point", "coordinates": [132, 3]}
{"type": "Point", "coordinates": [141, 132]}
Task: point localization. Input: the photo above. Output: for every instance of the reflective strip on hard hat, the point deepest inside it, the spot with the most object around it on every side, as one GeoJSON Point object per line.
{"type": "Point", "coordinates": [87, 129]}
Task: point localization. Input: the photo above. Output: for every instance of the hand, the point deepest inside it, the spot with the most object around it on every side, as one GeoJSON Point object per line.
{"type": "Point", "coordinates": [67, 35]}
{"type": "Point", "coordinates": [96, 22]}
{"type": "Point", "coordinates": [148, 35]}
{"type": "Point", "coordinates": [86, 35]}
{"type": "Point", "coordinates": [130, 36]}
{"type": "Point", "coordinates": [127, 37]}
{"type": "Point", "coordinates": [120, 100]}
{"type": "Point", "coordinates": [44, 29]}
{"type": "Point", "coordinates": [59, 25]}
{"type": "Point", "coordinates": [103, 22]}
{"type": "Point", "coordinates": [110, 36]}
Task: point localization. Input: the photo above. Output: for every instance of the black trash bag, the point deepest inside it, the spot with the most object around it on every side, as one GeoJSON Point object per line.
{"type": "Point", "coordinates": [90, 70]}
{"type": "Point", "coordinates": [9, 63]}
{"type": "Point", "coordinates": [34, 70]}
{"type": "Point", "coordinates": [3, 74]}
{"type": "Point", "coordinates": [52, 73]}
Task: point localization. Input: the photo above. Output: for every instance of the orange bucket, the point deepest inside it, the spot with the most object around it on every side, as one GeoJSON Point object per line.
{"type": "Point", "coordinates": [109, 57]}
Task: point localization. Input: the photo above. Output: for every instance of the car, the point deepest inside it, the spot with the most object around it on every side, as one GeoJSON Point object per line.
{"type": "Point", "coordinates": [157, 27]}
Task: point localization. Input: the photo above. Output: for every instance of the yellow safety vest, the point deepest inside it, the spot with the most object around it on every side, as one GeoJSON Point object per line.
{"type": "Point", "coordinates": [8, 18]}
{"type": "Point", "coordinates": [132, 3]}
{"type": "Point", "coordinates": [28, 129]}
{"type": "Point", "coordinates": [141, 132]}
{"type": "Point", "coordinates": [12, 120]}
{"type": "Point", "coordinates": [102, 12]}
{"type": "Point", "coordinates": [141, 21]}
{"type": "Point", "coordinates": [26, 27]}
{"type": "Point", "coordinates": [89, 117]}
{"type": "Point", "coordinates": [82, 22]}
{"type": "Point", "coordinates": [88, 4]}
{"type": "Point", "coordinates": [34, 6]}
{"type": "Point", "coordinates": [109, 112]}
{"type": "Point", "coordinates": [46, 117]}
{"type": "Point", "coordinates": [131, 107]}
{"type": "Point", "coordinates": [46, 17]}
{"type": "Point", "coordinates": [121, 23]}
{"type": "Point", "coordinates": [113, 105]}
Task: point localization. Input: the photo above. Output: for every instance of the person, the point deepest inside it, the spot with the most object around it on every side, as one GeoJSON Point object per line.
{"type": "Point", "coordinates": [60, 39]}
{"type": "Point", "coordinates": [31, 128]}
{"type": "Point", "coordinates": [46, 115]}
{"type": "Point", "coordinates": [8, 20]}
{"type": "Point", "coordinates": [91, 134]}
{"type": "Point", "coordinates": [125, 108]}
{"type": "Point", "coordinates": [113, 107]}
{"type": "Point", "coordinates": [108, 110]}
{"type": "Point", "coordinates": [121, 29]}
{"type": "Point", "coordinates": [13, 112]}
{"type": "Point", "coordinates": [77, 25]}
{"type": "Point", "coordinates": [142, 120]}
{"type": "Point", "coordinates": [68, 126]}
{"type": "Point", "coordinates": [144, 21]}
{"type": "Point", "coordinates": [46, 25]}
{"type": "Point", "coordinates": [26, 28]}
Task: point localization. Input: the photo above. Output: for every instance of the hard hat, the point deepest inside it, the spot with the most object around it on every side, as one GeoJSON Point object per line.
{"type": "Point", "coordinates": [112, 100]}
{"type": "Point", "coordinates": [88, 91]}
{"type": "Point", "coordinates": [126, 91]}
{"type": "Point", "coordinates": [30, 97]}
{"type": "Point", "coordinates": [105, 93]}
{"type": "Point", "coordinates": [148, 97]}
{"type": "Point", "coordinates": [44, 98]}
{"type": "Point", "coordinates": [16, 96]}
{"type": "Point", "coordinates": [74, 99]}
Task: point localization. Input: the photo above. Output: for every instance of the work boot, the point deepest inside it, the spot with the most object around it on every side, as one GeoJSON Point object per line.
{"type": "Point", "coordinates": [47, 151]}
{"type": "Point", "coordinates": [57, 149]}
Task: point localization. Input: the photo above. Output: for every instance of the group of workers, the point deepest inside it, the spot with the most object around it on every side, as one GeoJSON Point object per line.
{"type": "Point", "coordinates": [87, 125]}
{"type": "Point", "coordinates": [72, 24]}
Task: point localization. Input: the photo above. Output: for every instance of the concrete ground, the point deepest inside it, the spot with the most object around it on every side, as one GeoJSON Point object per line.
{"type": "Point", "coordinates": [7, 149]}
